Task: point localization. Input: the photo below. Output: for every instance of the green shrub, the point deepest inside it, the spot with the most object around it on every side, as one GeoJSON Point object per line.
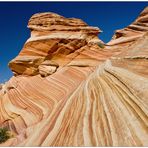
{"type": "Point", "coordinates": [101, 45]}
{"type": "Point", "coordinates": [4, 134]}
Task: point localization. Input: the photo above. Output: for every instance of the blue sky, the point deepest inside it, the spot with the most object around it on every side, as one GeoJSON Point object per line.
{"type": "Point", "coordinates": [14, 16]}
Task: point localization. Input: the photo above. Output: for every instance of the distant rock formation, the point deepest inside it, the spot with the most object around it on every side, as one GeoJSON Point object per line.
{"type": "Point", "coordinates": [125, 37]}
{"type": "Point", "coordinates": [71, 89]}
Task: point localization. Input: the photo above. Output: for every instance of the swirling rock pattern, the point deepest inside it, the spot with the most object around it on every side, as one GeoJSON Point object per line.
{"type": "Point", "coordinates": [70, 91]}
{"type": "Point", "coordinates": [53, 38]}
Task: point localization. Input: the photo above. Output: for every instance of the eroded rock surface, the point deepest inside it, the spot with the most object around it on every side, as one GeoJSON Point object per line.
{"type": "Point", "coordinates": [70, 91]}
{"type": "Point", "coordinates": [53, 38]}
{"type": "Point", "coordinates": [123, 38]}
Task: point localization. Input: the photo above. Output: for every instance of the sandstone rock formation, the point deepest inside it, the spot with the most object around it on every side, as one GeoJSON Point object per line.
{"type": "Point", "coordinates": [53, 38]}
{"type": "Point", "coordinates": [69, 91]}
{"type": "Point", "coordinates": [125, 37]}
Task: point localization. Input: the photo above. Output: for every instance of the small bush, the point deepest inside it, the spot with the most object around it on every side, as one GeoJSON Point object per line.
{"type": "Point", "coordinates": [101, 45]}
{"type": "Point", "coordinates": [4, 135]}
